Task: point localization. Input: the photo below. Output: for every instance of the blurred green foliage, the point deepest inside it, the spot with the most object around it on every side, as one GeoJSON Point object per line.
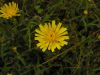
{"type": "Point", "coordinates": [19, 54]}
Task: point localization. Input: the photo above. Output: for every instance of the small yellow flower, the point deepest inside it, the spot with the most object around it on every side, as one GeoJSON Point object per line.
{"type": "Point", "coordinates": [98, 36]}
{"type": "Point", "coordinates": [9, 74]}
{"type": "Point", "coordinates": [9, 10]}
{"type": "Point", "coordinates": [14, 49]}
{"type": "Point", "coordinates": [89, 0]}
{"type": "Point", "coordinates": [85, 12]}
{"type": "Point", "coordinates": [51, 36]}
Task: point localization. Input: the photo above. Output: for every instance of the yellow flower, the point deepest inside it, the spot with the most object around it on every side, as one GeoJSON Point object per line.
{"type": "Point", "coordinates": [9, 10]}
{"type": "Point", "coordinates": [89, 0]}
{"type": "Point", "coordinates": [85, 12]}
{"type": "Point", "coordinates": [98, 36]}
{"type": "Point", "coordinates": [51, 36]}
{"type": "Point", "coordinates": [14, 49]}
{"type": "Point", "coordinates": [9, 74]}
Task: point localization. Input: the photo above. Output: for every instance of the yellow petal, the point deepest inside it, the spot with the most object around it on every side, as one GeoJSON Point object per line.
{"type": "Point", "coordinates": [49, 26]}
{"type": "Point", "coordinates": [52, 50]}
{"type": "Point", "coordinates": [14, 4]}
{"type": "Point", "coordinates": [39, 44]}
{"type": "Point", "coordinates": [58, 27]}
{"type": "Point", "coordinates": [58, 46]}
{"type": "Point", "coordinates": [62, 43]}
{"type": "Point", "coordinates": [62, 30]}
{"type": "Point", "coordinates": [64, 33]}
{"type": "Point", "coordinates": [49, 46]}
{"type": "Point", "coordinates": [44, 49]}
{"type": "Point", "coordinates": [41, 27]}
{"type": "Point", "coordinates": [6, 6]}
{"type": "Point", "coordinates": [53, 25]}
{"type": "Point", "coordinates": [46, 25]}
{"type": "Point", "coordinates": [53, 47]}
{"type": "Point", "coordinates": [1, 11]}
{"type": "Point", "coordinates": [63, 38]}
{"type": "Point", "coordinates": [38, 31]}
{"type": "Point", "coordinates": [10, 5]}
{"type": "Point", "coordinates": [38, 35]}
{"type": "Point", "coordinates": [1, 15]}
{"type": "Point", "coordinates": [44, 46]}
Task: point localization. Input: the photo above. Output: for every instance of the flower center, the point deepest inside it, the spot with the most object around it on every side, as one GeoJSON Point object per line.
{"type": "Point", "coordinates": [11, 12]}
{"type": "Point", "coordinates": [52, 37]}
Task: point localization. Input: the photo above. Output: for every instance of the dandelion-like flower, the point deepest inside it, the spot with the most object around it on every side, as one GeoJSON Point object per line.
{"type": "Point", "coordinates": [9, 10]}
{"type": "Point", "coordinates": [51, 36]}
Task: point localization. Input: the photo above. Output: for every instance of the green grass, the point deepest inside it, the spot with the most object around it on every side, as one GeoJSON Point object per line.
{"type": "Point", "coordinates": [80, 57]}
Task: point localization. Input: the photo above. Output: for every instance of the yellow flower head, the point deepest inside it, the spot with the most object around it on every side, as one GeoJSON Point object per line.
{"type": "Point", "coordinates": [51, 36]}
{"type": "Point", "coordinates": [9, 74]}
{"type": "Point", "coordinates": [98, 36]}
{"type": "Point", "coordinates": [85, 12]}
{"type": "Point", "coordinates": [14, 49]}
{"type": "Point", "coordinates": [9, 10]}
